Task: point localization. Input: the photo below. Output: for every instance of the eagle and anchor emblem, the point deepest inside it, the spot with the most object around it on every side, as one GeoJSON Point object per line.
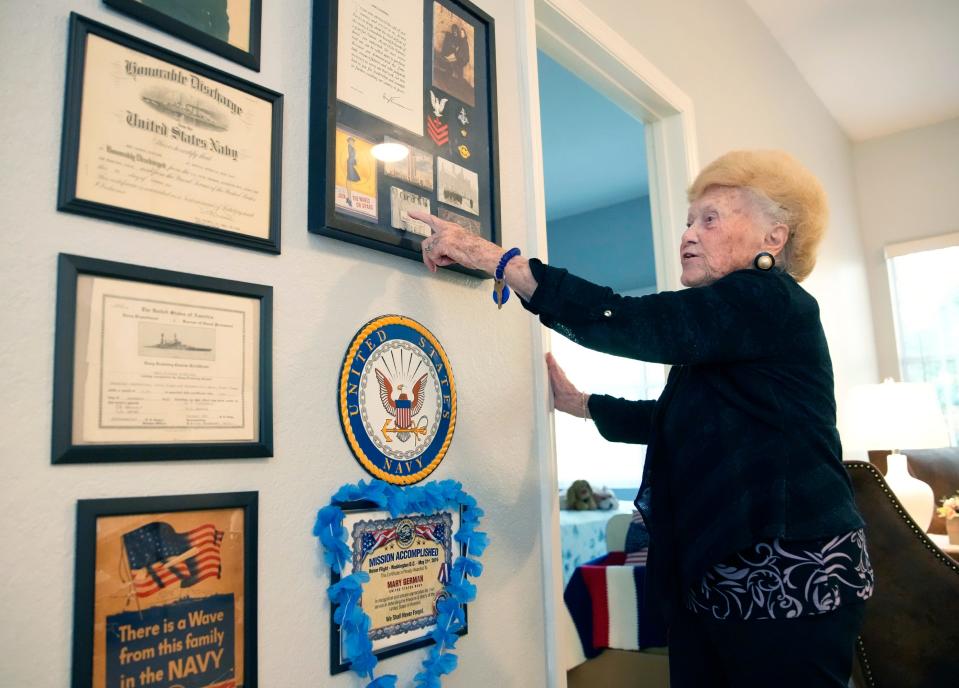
{"type": "Point", "coordinates": [397, 399]}
{"type": "Point", "coordinates": [403, 409]}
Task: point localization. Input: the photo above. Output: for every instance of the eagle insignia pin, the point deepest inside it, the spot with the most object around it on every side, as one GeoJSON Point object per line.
{"type": "Point", "coordinates": [397, 399]}
{"type": "Point", "coordinates": [437, 129]}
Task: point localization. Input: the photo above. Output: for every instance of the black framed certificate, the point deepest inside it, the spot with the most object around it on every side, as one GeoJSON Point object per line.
{"type": "Point", "coordinates": [166, 591]}
{"type": "Point", "coordinates": [409, 559]}
{"type": "Point", "coordinates": [153, 365]}
{"type": "Point", "coordinates": [230, 28]}
{"type": "Point", "coordinates": [403, 117]}
{"type": "Point", "coordinates": [154, 139]}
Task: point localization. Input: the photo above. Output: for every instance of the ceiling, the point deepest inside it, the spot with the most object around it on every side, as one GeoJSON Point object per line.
{"type": "Point", "coordinates": [594, 153]}
{"type": "Point", "coordinates": [879, 66]}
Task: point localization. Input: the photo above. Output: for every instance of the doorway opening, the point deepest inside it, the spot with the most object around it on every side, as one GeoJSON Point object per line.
{"type": "Point", "coordinates": [573, 38]}
{"type": "Point", "coordinates": [599, 227]}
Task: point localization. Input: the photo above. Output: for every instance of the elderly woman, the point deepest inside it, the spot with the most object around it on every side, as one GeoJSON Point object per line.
{"type": "Point", "coordinates": [757, 552]}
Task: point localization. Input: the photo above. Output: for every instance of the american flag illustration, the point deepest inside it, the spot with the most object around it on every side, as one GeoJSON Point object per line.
{"type": "Point", "coordinates": [374, 539]}
{"type": "Point", "coordinates": [403, 413]}
{"type": "Point", "coordinates": [161, 557]}
{"type": "Point", "coordinates": [402, 408]}
{"type": "Point", "coordinates": [432, 533]}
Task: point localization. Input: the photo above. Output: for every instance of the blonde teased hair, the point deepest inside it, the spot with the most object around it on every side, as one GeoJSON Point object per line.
{"type": "Point", "coordinates": [786, 192]}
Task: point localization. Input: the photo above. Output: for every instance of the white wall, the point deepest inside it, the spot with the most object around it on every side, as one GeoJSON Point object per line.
{"type": "Point", "coordinates": [324, 291]}
{"type": "Point", "coordinates": [748, 94]}
{"type": "Point", "coordinates": [907, 185]}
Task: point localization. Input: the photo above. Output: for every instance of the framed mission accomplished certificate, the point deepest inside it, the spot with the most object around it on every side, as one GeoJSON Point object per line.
{"type": "Point", "coordinates": [409, 560]}
{"type": "Point", "coordinates": [154, 139]}
{"type": "Point", "coordinates": [153, 364]}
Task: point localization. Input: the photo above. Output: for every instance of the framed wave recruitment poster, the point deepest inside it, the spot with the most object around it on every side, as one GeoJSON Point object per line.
{"type": "Point", "coordinates": [403, 117]}
{"type": "Point", "coordinates": [155, 365]}
{"type": "Point", "coordinates": [154, 139]}
{"type": "Point", "coordinates": [166, 592]}
{"type": "Point", "coordinates": [409, 559]}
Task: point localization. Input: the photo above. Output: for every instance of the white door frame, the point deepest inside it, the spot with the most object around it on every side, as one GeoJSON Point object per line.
{"type": "Point", "coordinates": [591, 49]}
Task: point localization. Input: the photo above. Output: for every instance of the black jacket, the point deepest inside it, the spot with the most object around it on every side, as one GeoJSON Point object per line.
{"type": "Point", "coordinates": [742, 443]}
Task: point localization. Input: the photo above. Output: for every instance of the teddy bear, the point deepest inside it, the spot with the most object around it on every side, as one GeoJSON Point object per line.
{"type": "Point", "coordinates": [579, 496]}
{"type": "Point", "coordinates": [605, 499]}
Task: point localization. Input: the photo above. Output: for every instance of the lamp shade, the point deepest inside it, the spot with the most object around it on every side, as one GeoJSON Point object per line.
{"type": "Point", "coordinates": [895, 415]}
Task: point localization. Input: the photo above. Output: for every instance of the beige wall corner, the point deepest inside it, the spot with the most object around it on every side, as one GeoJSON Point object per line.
{"type": "Point", "coordinates": [906, 185]}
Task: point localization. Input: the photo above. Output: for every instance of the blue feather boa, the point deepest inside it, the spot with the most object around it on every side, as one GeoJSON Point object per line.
{"type": "Point", "coordinates": [345, 595]}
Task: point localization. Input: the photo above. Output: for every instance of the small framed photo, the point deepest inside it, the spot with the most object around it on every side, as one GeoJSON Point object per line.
{"type": "Point", "coordinates": [156, 365]}
{"type": "Point", "coordinates": [230, 28]}
{"type": "Point", "coordinates": [403, 117]}
{"type": "Point", "coordinates": [409, 560]}
{"type": "Point", "coordinates": [154, 139]}
{"type": "Point", "coordinates": [165, 592]}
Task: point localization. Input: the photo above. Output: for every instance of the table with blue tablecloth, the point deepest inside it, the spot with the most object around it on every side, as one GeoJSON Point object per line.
{"type": "Point", "coordinates": [582, 535]}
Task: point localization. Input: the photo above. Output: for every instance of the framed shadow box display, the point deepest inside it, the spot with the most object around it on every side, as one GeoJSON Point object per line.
{"type": "Point", "coordinates": [154, 139]}
{"type": "Point", "coordinates": [409, 559]}
{"type": "Point", "coordinates": [152, 364]}
{"type": "Point", "coordinates": [230, 28]}
{"type": "Point", "coordinates": [165, 592]}
{"type": "Point", "coordinates": [403, 117]}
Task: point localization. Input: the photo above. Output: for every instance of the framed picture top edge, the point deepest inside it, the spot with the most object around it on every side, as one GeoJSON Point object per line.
{"type": "Point", "coordinates": [101, 267]}
{"type": "Point", "coordinates": [115, 506]}
{"type": "Point", "coordinates": [155, 17]}
{"type": "Point", "coordinates": [87, 25]}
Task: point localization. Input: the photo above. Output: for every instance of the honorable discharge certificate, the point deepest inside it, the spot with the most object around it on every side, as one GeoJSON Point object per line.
{"type": "Point", "coordinates": [159, 139]}
{"type": "Point", "coordinates": [164, 364]}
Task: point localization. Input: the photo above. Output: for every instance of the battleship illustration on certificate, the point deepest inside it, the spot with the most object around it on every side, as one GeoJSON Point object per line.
{"type": "Point", "coordinates": [187, 109]}
{"type": "Point", "coordinates": [162, 339]}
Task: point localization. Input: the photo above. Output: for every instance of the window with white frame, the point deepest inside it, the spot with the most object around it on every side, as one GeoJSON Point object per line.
{"type": "Point", "coordinates": [924, 285]}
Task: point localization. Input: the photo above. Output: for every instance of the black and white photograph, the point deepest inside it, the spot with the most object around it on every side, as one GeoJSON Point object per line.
{"type": "Point", "coordinates": [457, 186]}
{"type": "Point", "coordinates": [415, 168]}
{"type": "Point", "coordinates": [401, 203]}
{"type": "Point", "coordinates": [470, 223]}
{"type": "Point", "coordinates": [453, 42]}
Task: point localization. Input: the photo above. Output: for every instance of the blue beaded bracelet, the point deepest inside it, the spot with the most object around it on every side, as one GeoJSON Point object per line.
{"type": "Point", "coordinates": [499, 281]}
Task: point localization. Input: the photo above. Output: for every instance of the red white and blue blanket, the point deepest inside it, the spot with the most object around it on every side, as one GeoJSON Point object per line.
{"type": "Point", "coordinates": [606, 599]}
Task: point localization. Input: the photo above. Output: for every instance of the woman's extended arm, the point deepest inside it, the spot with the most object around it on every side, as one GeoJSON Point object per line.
{"type": "Point", "coordinates": [451, 243]}
{"type": "Point", "coordinates": [737, 317]}
{"type": "Point", "coordinates": [618, 420]}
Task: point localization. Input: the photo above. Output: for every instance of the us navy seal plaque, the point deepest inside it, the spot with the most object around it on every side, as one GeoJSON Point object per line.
{"type": "Point", "coordinates": [397, 399]}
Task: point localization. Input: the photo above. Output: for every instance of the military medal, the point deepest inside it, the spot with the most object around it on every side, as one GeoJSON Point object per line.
{"type": "Point", "coordinates": [397, 399]}
{"type": "Point", "coordinates": [462, 140]}
{"type": "Point", "coordinates": [437, 129]}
